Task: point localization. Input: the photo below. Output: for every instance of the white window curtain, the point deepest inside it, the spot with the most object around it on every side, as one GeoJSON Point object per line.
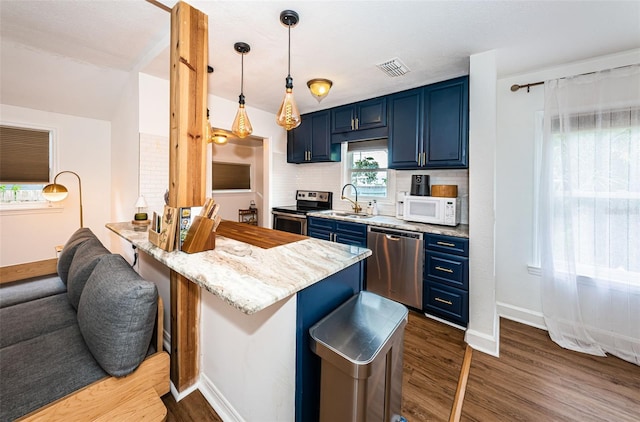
{"type": "Point", "coordinates": [589, 216]}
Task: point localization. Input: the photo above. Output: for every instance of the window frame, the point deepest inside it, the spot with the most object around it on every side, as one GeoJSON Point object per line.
{"type": "Point", "coordinates": [27, 207]}
{"type": "Point", "coordinates": [586, 272]}
{"type": "Point", "coordinates": [346, 177]}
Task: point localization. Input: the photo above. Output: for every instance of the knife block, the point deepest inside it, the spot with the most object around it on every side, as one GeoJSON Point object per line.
{"type": "Point", "coordinates": [200, 236]}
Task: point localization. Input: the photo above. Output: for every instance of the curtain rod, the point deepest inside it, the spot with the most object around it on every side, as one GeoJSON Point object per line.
{"type": "Point", "coordinates": [516, 87]}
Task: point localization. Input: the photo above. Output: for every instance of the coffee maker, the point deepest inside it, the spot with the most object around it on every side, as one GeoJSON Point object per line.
{"type": "Point", "coordinates": [419, 185]}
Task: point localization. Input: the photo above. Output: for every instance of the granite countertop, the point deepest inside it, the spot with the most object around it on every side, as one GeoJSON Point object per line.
{"type": "Point", "coordinates": [247, 277]}
{"type": "Point", "coordinates": [461, 230]}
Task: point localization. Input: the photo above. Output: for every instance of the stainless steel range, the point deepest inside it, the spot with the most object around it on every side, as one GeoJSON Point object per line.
{"type": "Point", "coordinates": [293, 218]}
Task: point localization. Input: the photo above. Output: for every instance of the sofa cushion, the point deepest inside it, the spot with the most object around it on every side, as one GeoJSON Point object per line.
{"type": "Point", "coordinates": [84, 261]}
{"type": "Point", "coordinates": [116, 315]}
{"type": "Point", "coordinates": [38, 371]}
{"type": "Point", "coordinates": [69, 249]}
{"type": "Point", "coordinates": [30, 289]}
{"type": "Point", "coordinates": [30, 319]}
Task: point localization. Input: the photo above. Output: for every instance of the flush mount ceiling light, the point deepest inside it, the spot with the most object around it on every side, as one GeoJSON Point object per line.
{"type": "Point", "coordinates": [241, 125]}
{"type": "Point", "coordinates": [319, 87]}
{"type": "Point", "coordinates": [288, 115]}
{"type": "Point", "coordinates": [219, 138]}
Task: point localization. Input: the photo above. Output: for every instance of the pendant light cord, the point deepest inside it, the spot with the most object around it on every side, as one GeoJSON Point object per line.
{"type": "Point", "coordinates": [242, 74]}
{"type": "Point", "coordinates": [289, 67]}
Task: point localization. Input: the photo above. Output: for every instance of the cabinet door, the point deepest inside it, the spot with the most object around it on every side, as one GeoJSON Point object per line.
{"type": "Point", "coordinates": [297, 142]}
{"type": "Point", "coordinates": [319, 234]}
{"type": "Point", "coordinates": [320, 140]}
{"type": "Point", "coordinates": [351, 233]}
{"type": "Point", "coordinates": [371, 114]}
{"type": "Point", "coordinates": [446, 108]}
{"type": "Point", "coordinates": [342, 118]}
{"type": "Point", "coordinates": [405, 131]}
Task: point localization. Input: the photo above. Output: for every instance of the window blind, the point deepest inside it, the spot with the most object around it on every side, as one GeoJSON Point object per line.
{"type": "Point", "coordinates": [231, 176]}
{"type": "Point", "coordinates": [24, 155]}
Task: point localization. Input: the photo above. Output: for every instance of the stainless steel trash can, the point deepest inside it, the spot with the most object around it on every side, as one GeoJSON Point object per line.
{"type": "Point", "coordinates": [360, 345]}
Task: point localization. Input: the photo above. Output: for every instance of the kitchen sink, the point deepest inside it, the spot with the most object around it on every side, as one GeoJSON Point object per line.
{"type": "Point", "coordinates": [348, 214]}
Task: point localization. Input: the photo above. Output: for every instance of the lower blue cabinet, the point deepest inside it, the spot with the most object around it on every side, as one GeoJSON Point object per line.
{"type": "Point", "coordinates": [446, 278]}
{"type": "Point", "coordinates": [337, 231]}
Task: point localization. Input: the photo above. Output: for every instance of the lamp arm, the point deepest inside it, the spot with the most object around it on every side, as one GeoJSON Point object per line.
{"type": "Point", "coordinates": [79, 189]}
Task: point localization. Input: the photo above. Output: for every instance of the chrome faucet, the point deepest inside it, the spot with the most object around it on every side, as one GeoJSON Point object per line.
{"type": "Point", "coordinates": [356, 208]}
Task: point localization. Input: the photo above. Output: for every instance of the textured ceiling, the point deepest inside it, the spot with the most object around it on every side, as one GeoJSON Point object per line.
{"type": "Point", "coordinates": [81, 52]}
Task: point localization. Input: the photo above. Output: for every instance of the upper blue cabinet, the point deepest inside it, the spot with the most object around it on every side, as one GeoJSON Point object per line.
{"type": "Point", "coordinates": [429, 126]}
{"type": "Point", "coordinates": [359, 121]}
{"type": "Point", "coordinates": [310, 142]}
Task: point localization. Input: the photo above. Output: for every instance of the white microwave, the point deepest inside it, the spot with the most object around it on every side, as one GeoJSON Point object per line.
{"type": "Point", "coordinates": [432, 210]}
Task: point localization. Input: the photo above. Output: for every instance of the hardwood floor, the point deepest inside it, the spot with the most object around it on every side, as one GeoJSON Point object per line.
{"type": "Point", "coordinates": [533, 380]}
{"type": "Point", "coordinates": [194, 407]}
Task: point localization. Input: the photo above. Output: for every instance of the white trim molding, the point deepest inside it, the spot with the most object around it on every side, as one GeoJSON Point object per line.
{"type": "Point", "coordinates": [216, 399]}
{"type": "Point", "coordinates": [521, 315]}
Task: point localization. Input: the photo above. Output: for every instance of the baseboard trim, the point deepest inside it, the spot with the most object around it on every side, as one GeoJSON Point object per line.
{"type": "Point", "coordinates": [216, 399]}
{"type": "Point", "coordinates": [179, 395]}
{"type": "Point", "coordinates": [521, 315]}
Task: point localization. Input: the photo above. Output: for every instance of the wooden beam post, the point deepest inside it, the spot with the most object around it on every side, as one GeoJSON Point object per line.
{"type": "Point", "coordinates": [187, 173]}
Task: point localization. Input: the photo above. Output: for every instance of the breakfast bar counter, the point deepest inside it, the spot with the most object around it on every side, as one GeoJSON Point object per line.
{"type": "Point", "coordinates": [248, 277]}
{"type": "Point", "coordinates": [257, 364]}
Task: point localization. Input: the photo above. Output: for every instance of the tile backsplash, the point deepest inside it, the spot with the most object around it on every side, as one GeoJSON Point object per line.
{"type": "Point", "coordinates": [439, 177]}
{"type": "Point", "coordinates": [328, 176]}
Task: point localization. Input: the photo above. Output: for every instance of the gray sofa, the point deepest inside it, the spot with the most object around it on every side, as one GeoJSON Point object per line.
{"type": "Point", "coordinates": [92, 320]}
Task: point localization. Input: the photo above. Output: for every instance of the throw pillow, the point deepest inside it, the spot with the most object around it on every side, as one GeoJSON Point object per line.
{"type": "Point", "coordinates": [117, 314]}
{"type": "Point", "coordinates": [84, 261]}
{"type": "Point", "coordinates": [66, 256]}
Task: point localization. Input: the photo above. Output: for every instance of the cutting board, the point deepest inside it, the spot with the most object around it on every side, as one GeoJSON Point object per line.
{"type": "Point", "coordinates": [257, 236]}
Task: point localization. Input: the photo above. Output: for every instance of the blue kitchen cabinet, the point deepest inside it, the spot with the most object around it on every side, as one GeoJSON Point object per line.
{"type": "Point", "coordinates": [446, 278]}
{"type": "Point", "coordinates": [311, 141]}
{"type": "Point", "coordinates": [337, 231]}
{"type": "Point", "coordinates": [429, 126]}
{"type": "Point", "coordinates": [359, 121]}
{"type": "Point", "coordinates": [405, 128]}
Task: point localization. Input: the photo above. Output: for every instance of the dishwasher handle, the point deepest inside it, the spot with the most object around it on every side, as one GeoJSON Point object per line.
{"type": "Point", "coordinates": [395, 234]}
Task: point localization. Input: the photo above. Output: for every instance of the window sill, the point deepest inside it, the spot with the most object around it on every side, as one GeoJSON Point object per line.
{"type": "Point", "coordinates": [20, 208]}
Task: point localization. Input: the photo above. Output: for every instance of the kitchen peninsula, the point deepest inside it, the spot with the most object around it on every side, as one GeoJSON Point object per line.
{"type": "Point", "coordinates": [261, 362]}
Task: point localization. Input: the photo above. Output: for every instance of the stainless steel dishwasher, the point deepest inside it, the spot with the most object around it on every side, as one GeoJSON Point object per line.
{"type": "Point", "coordinates": [394, 270]}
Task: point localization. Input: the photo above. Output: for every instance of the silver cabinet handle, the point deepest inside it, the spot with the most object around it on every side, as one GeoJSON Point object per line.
{"type": "Point", "coordinates": [446, 270]}
{"type": "Point", "coordinates": [448, 302]}
{"type": "Point", "coordinates": [357, 124]}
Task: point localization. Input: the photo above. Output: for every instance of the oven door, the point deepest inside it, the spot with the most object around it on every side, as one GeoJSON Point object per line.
{"type": "Point", "coordinates": [292, 223]}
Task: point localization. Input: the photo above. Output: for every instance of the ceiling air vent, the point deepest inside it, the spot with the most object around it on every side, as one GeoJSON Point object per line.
{"type": "Point", "coordinates": [393, 67]}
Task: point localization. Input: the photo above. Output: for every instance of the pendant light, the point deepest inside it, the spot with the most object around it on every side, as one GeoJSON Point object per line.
{"type": "Point", "coordinates": [241, 125]}
{"type": "Point", "coordinates": [288, 115]}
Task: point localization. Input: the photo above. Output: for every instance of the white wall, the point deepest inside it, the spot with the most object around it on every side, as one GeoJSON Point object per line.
{"type": "Point", "coordinates": [82, 145]}
{"type": "Point", "coordinates": [483, 329]}
{"type": "Point", "coordinates": [260, 382]}
{"type": "Point", "coordinates": [124, 166]}
{"type": "Point", "coordinates": [233, 201]}
{"type": "Point", "coordinates": [518, 291]}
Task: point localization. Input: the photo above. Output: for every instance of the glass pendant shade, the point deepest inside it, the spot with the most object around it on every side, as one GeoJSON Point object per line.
{"type": "Point", "coordinates": [241, 125]}
{"type": "Point", "coordinates": [288, 115]}
{"type": "Point", "coordinates": [208, 130]}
